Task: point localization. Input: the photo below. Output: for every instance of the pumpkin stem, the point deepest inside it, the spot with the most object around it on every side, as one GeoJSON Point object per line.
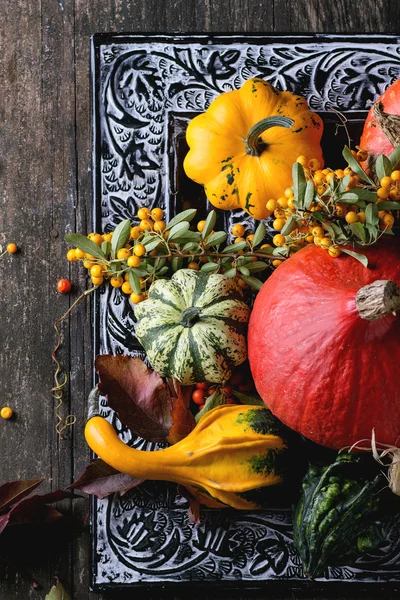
{"type": "Point", "coordinates": [378, 299]}
{"type": "Point", "coordinates": [254, 144]}
{"type": "Point", "coordinates": [390, 124]}
{"type": "Point", "coordinates": [190, 316]}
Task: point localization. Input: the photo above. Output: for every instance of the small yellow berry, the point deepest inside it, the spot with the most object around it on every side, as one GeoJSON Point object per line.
{"type": "Point", "coordinates": [325, 242]}
{"type": "Point", "coordinates": [143, 213]}
{"type": "Point", "coordinates": [361, 217]}
{"type": "Point", "coordinates": [116, 282]}
{"type": "Point", "coordinates": [6, 412]}
{"type": "Point", "coordinates": [382, 193]}
{"type": "Point", "coordinates": [314, 164]}
{"type": "Point", "coordinates": [71, 256]}
{"type": "Point", "coordinates": [386, 221]}
{"type": "Point", "coordinates": [159, 226]}
{"type": "Point", "coordinates": [288, 192]}
{"type": "Point", "coordinates": [334, 251]}
{"type": "Point", "coordinates": [278, 223]}
{"type": "Point", "coordinates": [146, 225]}
{"type": "Point", "coordinates": [11, 248]}
{"type": "Point", "coordinates": [126, 288]}
{"type": "Point", "coordinates": [282, 202]}
{"type": "Point", "coordinates": [238, 230]}
{"type": "Point", "coordinates": [194, 266]}
{"type": "Point", "coordinates": [386, 182]}
{"type": "Point", "coordinates": [107, 237]}
{"type": "Point", "coordinates": [97, 280]}
{"type": "Point", "coordinates": [157, 214]}
{"type": "Point", "coordinates": [96, 271]}
{"type": "Point", "coordinates": [97, 239]}
{"type": "Point", "coordinates": [303, 160]}
{"type": "Point", "coordinates": [276, 262]}
{"type": "Point", "coordinates": [133, 261]}
{"type": "Point", "coordinates": [139, 250]}
{"type": "Point", "coordinates": [123, 254]}
{"type": "Point", "coordinates": [136, 232]}
{"type": "Point", "coordinates": [238, 240]}
{"type": "Point", "coordinates": [135, 298]}
{"type": "Point", "coordinates": [362, 155]}
{"type": "Point", "coordinates": [278, 240]}
{"type": "Point", "coordinates": [200, 226]}
{"type": "Point", "coordinates": [250, 238]}
{"type": "Point", "coordinates": [271, 205]}
{"type": "Point", "coordinates": [87, 264]}
{"type": "Point", "coordinates": [317, 231]}
{"type": "Point", "coordinates": [79, 253]}
{"type": "Point", "coordinates": [351, 217]}
{"type": "Point", "coordinates": [395, 175]}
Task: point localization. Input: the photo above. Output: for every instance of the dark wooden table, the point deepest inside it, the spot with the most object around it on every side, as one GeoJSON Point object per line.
{"type": "Point", "coordinates": [46, 191]}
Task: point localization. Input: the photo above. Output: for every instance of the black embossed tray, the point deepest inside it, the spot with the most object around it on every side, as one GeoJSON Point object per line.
{"type": "Point", "coordinates": [145, 90]}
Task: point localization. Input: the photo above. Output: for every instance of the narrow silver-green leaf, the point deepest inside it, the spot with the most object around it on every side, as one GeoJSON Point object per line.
{"type": "Point", "coordinates": [177, 263]}
{"type": "Point", "coordinates": [230, 272]}
{"type": "Point", "coordinates": [121, 235]}
{"type": "Point", "coordinates": [215, 239]}
{"type": "Point", "coordinates": [299, 184]}
{"type": "Point", "coordinates": [155, 242]}
{"type": "Point", "coordinates": [309, 195]}
{"type": "Point", "coordinates": [395, 158]}
{"type": "Point", "coordinates": [139, 272]}
{"type": "Point", "coordinates": [259, 234]}
{"type": "Point", "coordinates": [244, 271]}
{"type": "Point", "coordinates": [355, 166]}
{"type": "Point", "coordinates": [235, 248]}
{"type": "Point", "coordinates": [178, 230]}
{"type": "Point", "coordinates": [387, 205]}
{"type": "Point", "coordinates": [254, 400]}
{"type": "Point", "coordinates": [83, 243]}
{"type": "Point", "coordinates": [359, 231]}
{"type": "Point", "coordinates": [383, 166]}
{"type": "Point", "coordinates": [253, 282]}
{"type": "Point", "coordinates": [191, 247]}
{"type": "Point", "coordinates": [289, 226]}
{"type": "Point", "coordinates": [134, 281]}
{"type": "Point", "coordinates": [209, 224]}
{"type": "Point", "coordinates": [162, 271]}
{"type": "Point", "coordinates": [189, 236]}
{"type": "Point", "coordinates": [360, 257]}
{"type": "Point", "coordinates": [106, 248]}
{"type": "Point", "coordinates": [344, 182]}
{"type": "Point", "coordinates": [186, 215]}
{"type": "Point", "coordinates": [210, 267]}
{"type": "Point", "coordinates": [257, 266]}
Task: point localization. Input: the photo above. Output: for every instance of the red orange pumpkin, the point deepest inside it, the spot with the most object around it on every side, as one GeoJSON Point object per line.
{"type": "Point", "coordinates": [322, 368]}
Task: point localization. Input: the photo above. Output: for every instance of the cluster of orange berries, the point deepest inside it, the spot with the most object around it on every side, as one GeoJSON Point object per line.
{"type": "Point", "coordinates": [239, 233]}
{"type": "Point", "coordinates": [311, 231]}
{"type": "Point", "coordinates": [238, 381]}
{"type": "Point", "coordinates": [131, 254]}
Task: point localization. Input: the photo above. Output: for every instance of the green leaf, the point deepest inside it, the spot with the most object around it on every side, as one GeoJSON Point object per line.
{"type": "Point", "coordinates": [106, 248]}
{"type": "Point", "coordinates": [139, 272]}
{"type": "Point", "coordinates": [210, 267]}
{"type": "Point", "coordinates": [389, 205]}
{"type": "Point", "coordinates": [383, 166]}
{"type": "Point", "coordinates": [177, 263]}
{"type": "Point", "coordinates": [57, 592]}
{"type": "Point", "coordinates": [215, 239]}
{"type": "Point", "coordinates": [360, 257]}
{"type": "Point", "coordinates": [235, 248]}
{"type": "Point", "coordinates": [191, 246]}
{"type": "Point", "coordinates": [299, 184]}
{"type": "Point", "coordinates": [259, 234]}
{"type": "Point", "coordinates": [350, 197]}
{"type": "Point", "coordinates": [83, 243]}
{"type": "Point", "coordinates": [362, 194]}
{"type": "Point", "coordinates": [257, 266]}
{"type": "Point", "coordinates": [186, 215]}
{"type": "Point", "coordinates": [244, 271]}
{"type": "Point", "coordinates": [253, 282]}
{"type": "Point", "coordinates": [216, 399]}
{"type": "Point", "coordinates": [246, 399]}
{"type": "Point", "coordinates": [244, 260]}
{"type": "Point", "coordinates": [162, 271]}
{"type": "Point", "coordinates": [309, 195]}
{"type": "Point", "coordinates": [355, 166]}
{"type": "Point", "coordinates": [280, 252]}
{"type": "Point", "coordinates": [155, 242]}
{"type": "Point", "coordinates": [289, 226]}
{"type": "Point", "coordinates": [189, 236]}
{"type": "Point", "coordinates": [230, 272]}
{"type": "Point", "coordinates": [209, 224]}
{"type": "Point", "coordinates": [343, 184]}
{"type": "Point", "coordinates": [359, 231]}
{"type": "Point", "coordinates": [178, 230]}
{"type": "Point", "coordinates": [373, 232]}
{"type": "Point", "coordinates": [121, 235]}
{"type": "Point", "coordinates": [395, 158]}
{"type": "Point", "coordinates": [134, 282]}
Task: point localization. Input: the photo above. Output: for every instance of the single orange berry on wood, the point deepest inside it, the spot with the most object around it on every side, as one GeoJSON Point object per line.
{"type": "Point", "coordinates": [64, 286]}
{"type": "Point", "coordinates": [6, 412]}
{"type": "Point", "coordinates": [11, 248]}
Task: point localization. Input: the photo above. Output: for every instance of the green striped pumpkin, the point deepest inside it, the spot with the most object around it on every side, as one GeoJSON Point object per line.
{"type": "Point", "coordinates": [193, 326]}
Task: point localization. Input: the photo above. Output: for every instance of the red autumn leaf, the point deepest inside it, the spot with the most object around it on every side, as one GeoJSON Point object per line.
{"type": "Point", "coordinates": [13, 491]}
{"type": "Point", "coordinates": [183, 421]}
{"type": "Point", "coordinates": [194, 505]}
{"type": "Point", "coordinates": [101, 480]}
{"type": "Point", "coordinates": [137, 394]}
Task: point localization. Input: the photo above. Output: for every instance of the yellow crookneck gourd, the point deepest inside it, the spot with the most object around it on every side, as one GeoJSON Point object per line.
{"type": "Point", "coordinates": [243, 147]}
{"type": "Point", "coordinates": [231, 458]}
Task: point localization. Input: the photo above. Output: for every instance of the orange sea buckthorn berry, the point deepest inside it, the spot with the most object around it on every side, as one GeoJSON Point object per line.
{"type": "Point", "coordinates": [291, 204]}
{"type": "Point", "coordinates": [6, 412]}
{"type": "Point", "coordinates": [348, 171]}
{"type": "Point", "coordinates": [303, 160]}
{"type": "Point", "coordinates": [361, 155]}
{"type": "Point", "coordinates": [146, 225]}
{"type": "Point", "coordinates": [325, 243]}
{"type": "Point", "coordinates": [282, 202]}
{"type": "Point", "coordinates": [395, 175]}
{"type": "Point", "coordinates": [238, 230]}
{"type": "Point", "coordinates": [351, 217]}
{"type": "Point", "coordinates": [386, 221]}
{"type": "Point", "coordinates": [123, 254]}
{"type": "Point", "coordinates": [107, 237]}
{"type": "Point", "coordinates": [314, 164]}
{"type": "Point", "coordinates": [321, 189]}
{"type": "Point", "coordinates": [250, 238]}
{"type": "Point", "coordinates": [317, 231]}
{"type": "Point", "coordinates": [340, 210]}
{"type": "Point", "coordinates": [116, 282]}
{"type": "Point", "coordinates": [339, 173]}
{"type": "Point", "coordinates": [96, 271]}
{"type": "Point", "coordinates": [97, 280]}
{"type": "Point", "coordinates": [394, 194]}
{"type": "Point", "coordinates": [200, 226]}
{"type": "Point", "coordinates": [157, 214]}
{"type": "Point", "coordinates": [279, 240]}
{"type": "Point", "coordinates": [126, 288]}
{"type": "Point", "coordinates": [319, 177]}
{"type": "Point", "coordinates": [238, 240]}
{"type": "Point", "coordinates": [194, 266]}
{"type": "Point", "coordinates": [11, 248]}
{"type": "Point", "coordinates": [278, 223]}
{"type": "Point", "coordinates": [271, 205]}
{"type": "Point", "coordinates": [79, 253]}
{"type": "Point", "coordinates": [242, 284]}
{"type": "Point", "coordinates": [330, 178]}
{"type": "Point", "coordinates": [139, 250]}
{"type": "Point", "coordinates": [361, 217]}
{"type": "Point", "coordinates": [136, 232]}
{"type": "Point", "coordinates": [386, 182]}
{"type": "Point", "coordinates": [135, 298]}
{"type": "Point", "coordinates": [97, 239]}
{"type": "Point", "coordinates": [133, 261]}
{"type": "Point", "coordinates": [382, 193]}
{"type": "Point", "coordinates": [275, 263]}
{"type": "Point", "coordinates": [71, 256]}
{"type": "Point", "coordinates": [309, 238]}
{"type": "Point", "coordinates": [143, 213]}
{"type": "Point", "coordinates": [159, 226]}
{"type": "Point", "coordinates": [266, 246]}
{"type": "Point", "coordinates": [288, 192]}
{"type": "Point", "coordinates": [334, 251]}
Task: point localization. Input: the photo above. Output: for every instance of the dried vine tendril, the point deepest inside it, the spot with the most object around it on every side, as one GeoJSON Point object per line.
{"type": "Point", "coordinates": [60, 376]}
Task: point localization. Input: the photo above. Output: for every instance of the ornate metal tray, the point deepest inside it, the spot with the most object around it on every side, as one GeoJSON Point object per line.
{"type": "Point", "coordinates": [145, 90]}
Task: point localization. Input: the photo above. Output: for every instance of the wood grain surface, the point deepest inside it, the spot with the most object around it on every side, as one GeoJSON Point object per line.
{"type": "Point", "coordinates": [46, 192]}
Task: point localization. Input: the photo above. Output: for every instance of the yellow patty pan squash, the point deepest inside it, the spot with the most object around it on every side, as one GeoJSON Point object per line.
{"type": "Point", "coordinates": [243, 147]}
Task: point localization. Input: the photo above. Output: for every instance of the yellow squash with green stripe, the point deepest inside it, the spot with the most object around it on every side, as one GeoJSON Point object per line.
{"type": "Point", "coordinates": [243, 147]}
